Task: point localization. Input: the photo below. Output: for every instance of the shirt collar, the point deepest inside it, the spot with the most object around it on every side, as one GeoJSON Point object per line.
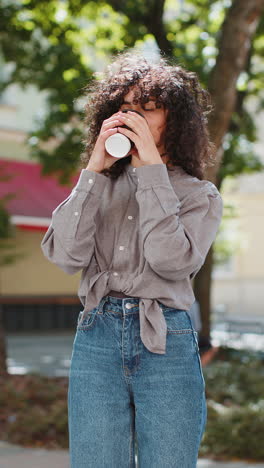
{"type": "Point", "coordinates": [131, 169]}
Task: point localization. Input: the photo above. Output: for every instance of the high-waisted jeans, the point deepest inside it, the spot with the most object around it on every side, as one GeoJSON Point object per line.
{"type": "Point", "coordinates": [127, 403]}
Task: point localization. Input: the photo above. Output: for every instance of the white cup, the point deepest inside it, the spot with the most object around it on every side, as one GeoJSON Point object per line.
{"type": "Point", "coordinates": [118, 145]}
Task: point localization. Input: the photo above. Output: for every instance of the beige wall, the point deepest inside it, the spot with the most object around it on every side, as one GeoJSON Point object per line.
{"type": "Point", "coordinates": [12, 146]}
{"type": "Point", "coordinates": [244, 297]}
{"type": "Point", "coordinates": [242, 288]}
{"type": "Point", "coordinates": [34, 274]}
{"type": "Point", "coordinates": [250, 263]}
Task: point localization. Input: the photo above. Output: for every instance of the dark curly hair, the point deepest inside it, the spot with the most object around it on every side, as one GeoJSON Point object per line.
{"type": "Point", "coordinates": [187, 142]}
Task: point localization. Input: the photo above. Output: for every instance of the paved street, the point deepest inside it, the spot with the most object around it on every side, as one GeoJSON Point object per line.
{"type": "Point", "coordinates": [17, 457]}
{"type": "Point", "coordinates": [50, 353]}
{"type": "Point", "coordinates": [46, 353]}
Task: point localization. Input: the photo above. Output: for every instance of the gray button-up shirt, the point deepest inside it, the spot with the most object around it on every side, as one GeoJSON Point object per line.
{"type": "Point", "coordinates": [146, 233]}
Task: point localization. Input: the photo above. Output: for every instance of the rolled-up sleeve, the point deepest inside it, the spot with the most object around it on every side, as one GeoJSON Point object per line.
{"type": "Point", "coordinates": [69, 240]}
{"type": "Point", "coordinates": [176, 235]}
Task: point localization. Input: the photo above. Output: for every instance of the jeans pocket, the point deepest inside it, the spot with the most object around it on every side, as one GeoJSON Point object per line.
{"type": "Point", "coordinates": [195, 334]}
{"type": "Point", "coordinates": [87, 320]}
{"type": "Point", "coordinates": [177, 321]}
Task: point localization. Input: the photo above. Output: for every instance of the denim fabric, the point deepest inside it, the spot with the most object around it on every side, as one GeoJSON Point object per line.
{"type": "Point", "coordinates": [124, 400]}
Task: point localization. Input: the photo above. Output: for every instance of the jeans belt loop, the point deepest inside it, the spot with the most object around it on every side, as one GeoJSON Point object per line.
{"type": "Point", "coordinates": [101, 305]}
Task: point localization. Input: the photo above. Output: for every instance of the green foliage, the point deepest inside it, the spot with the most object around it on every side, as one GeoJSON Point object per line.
{"type": "Point", "coordinates": [65, 162]}
{"type": "Point", "coordinates": [34, 408]}
{"type": "Point", "coordinates": [6, 233]}
{"type": "Point", "coordinates": [236, 382]}
{"type": "Point", "coordinates": [4, 223]}
{"type": "Point", "coordinates": [7, 255]}
{"type": "Point", "coordinates": [236, 434]}
{"type": "Point", "coordinates": [7, 230]}
{"type": "Point", "coordinates": [234, 390]}
{"type": "Point", "coordinates": [55, 51]}
{"type": "Point", "coordinates": [34, 411]}
{"type": "Point", "coordinates": [227, 241]}
{"type": "Point", "coordinates": [57, 45]}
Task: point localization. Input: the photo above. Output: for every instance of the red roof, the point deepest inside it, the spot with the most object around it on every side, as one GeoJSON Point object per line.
{"type": "Point", "coordinates": [36, 195]}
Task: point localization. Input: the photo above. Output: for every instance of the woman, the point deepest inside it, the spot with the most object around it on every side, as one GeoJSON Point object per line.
{"type": "Point", "coordinates": [139, 228]}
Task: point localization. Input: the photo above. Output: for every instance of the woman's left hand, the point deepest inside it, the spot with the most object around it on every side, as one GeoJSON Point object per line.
{"type": "Point", "coordinates": [141, 136]}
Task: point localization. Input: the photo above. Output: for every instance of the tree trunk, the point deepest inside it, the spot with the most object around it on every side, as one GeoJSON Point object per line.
{"type": "Point", "coordinates": [237, 32]}
{"type": "Point", "coordinates": [3, 355]}
{"type": "Point", "coordinates": [234, 46]}
{"type": "Point", "coordinates": [202, 283]}
{"type": "Point", "coordinates": [154, 22]}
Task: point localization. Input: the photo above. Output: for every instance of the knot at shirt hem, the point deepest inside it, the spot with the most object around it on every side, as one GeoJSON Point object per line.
{"type": "Point", "coordinates": [153, 326]}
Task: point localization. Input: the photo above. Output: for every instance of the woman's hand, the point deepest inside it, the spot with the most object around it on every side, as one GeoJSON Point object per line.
{"type": "Point", "coordinates": [100, 159]}
{"type": "Point", "coordinates": [142, 137]}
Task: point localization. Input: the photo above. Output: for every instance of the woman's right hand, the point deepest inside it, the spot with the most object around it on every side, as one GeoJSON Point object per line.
{"type": "Point", "coordinates": [100, 159]}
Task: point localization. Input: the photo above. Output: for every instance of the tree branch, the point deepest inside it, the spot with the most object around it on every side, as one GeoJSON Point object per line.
{"type": "Point", "coordinates": [237, 32]}
{"type": "Point", "coordinates": [148, 13]}
{"type": "Point", "coordinates": [154, 23]}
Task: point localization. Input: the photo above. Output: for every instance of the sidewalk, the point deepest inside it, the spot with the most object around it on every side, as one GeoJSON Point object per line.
{"type": "Point", "coordinates": [49, 353]}
{"type": "Point", "coordinates": [14, 456]}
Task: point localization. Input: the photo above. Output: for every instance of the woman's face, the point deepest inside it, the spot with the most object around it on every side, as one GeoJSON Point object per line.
{"type": "Point", "coordinates": [155, 117]}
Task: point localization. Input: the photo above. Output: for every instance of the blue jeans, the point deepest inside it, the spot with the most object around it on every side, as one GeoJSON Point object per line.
{"type": "Point", "coordinates": [124, 400]}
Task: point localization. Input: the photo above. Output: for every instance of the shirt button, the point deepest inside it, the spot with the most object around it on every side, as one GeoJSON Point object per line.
{"type": "Point", "coordinates": [115, 273]}
{"type": "Point", "coordinates": [76, 213]}
{"type": "Point", "coordinates": [128, 306]}
{"type": "Point", "coordinates": [130, 217]}
{"type": "Point", "coordinates": [121, 247]}
{"type": "Point", "coordinates": [90, 181]}
{"type": "Point", "coordinates": [134, 169]}
{"type": "Point", "coordinates": [138, 179]}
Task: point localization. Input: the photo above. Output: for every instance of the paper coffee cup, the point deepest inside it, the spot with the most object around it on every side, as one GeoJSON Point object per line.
{"type": "Point", "coordinates": [117, 145]}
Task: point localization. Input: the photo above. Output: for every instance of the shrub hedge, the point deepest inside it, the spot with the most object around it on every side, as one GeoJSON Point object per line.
{"type": "Point", "coordinates": [33, 408]}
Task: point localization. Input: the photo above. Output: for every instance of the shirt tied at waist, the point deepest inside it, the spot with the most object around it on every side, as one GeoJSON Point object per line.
{"type": "Point", "coordinates": [153, 326]}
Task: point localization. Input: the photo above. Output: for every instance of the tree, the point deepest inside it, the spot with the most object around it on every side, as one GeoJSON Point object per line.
{"type": "Point", "coordinates": [7, 256]}
{"type": "Point", "coordinates": [52, 42]}
{"type": "Point", "coordinates": [4, 231]}
{"type": "Point", "coordinates": [233, 57]}
{"type": "Point", "coordinates": [235, 49]}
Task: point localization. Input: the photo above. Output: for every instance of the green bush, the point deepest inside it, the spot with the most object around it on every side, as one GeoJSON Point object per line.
{"type": "Point", "coordinates": [236, 381]}
{"type": "Point", "coordinates": [235, 392]}
{"type": "Point", "coordinates": [34, 411]}
{"type": "Point", "coordinates": [237, 433]}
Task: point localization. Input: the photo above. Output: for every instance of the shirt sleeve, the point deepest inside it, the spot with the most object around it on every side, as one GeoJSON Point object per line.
{"type": "Point", "coordinates": [69, 240]}
{"type": "Point", "coordinates": [176, 236]}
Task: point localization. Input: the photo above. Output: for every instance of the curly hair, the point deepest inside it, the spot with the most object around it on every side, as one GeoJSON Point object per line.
{"type": "Point", "coordinates": [187, 142]}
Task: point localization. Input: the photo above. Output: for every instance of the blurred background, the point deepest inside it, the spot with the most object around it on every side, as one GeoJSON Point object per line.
{"type": "Point", "coordinates": [48, 53]}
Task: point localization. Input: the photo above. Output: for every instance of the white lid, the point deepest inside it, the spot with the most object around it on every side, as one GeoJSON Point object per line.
{"type": "Point", "coordinates": [117, 145]}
